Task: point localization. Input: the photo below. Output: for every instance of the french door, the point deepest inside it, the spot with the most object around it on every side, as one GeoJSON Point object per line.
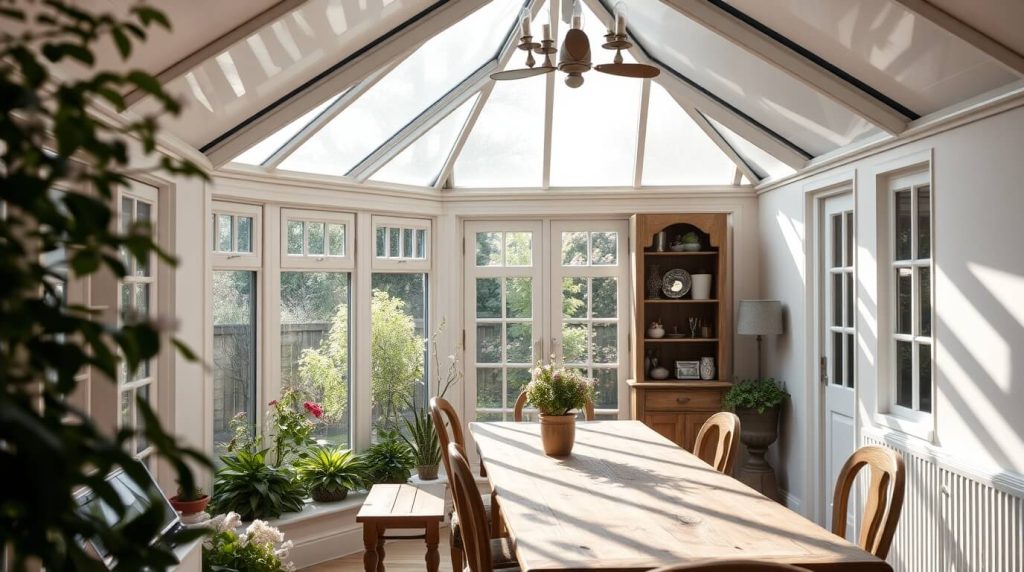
{"type": "Point", "coordinates": [837, 343]}
{"type": "Point", "coordinates": [537, 290]}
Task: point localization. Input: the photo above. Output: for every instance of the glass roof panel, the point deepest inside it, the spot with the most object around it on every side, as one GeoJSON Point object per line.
{"type": "Point", "coordinates": [782, 103]}
{"type": "Point", "coordinates": [594, 133]}
{"type": "Point", "coordinates": [260, 152]}
{"type": "Point", "coordinates": [762, 163]}
{"type": "Point", "coordinates": [417, 82]}
{"type": "Point", "coordinates": [677, 151]}
{"type": "Point", "coordinates": [422, 161]}
{"type": "Point", "coordinates": [505, 149]}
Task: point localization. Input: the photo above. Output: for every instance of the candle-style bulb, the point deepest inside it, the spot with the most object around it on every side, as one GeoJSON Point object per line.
{"type": "Point", "coordinates": [620, 18]}
{"type": "Point", "coordinates": [577, 15]}
{"type": "Point", "coordinates": [547, 31]}
{"type": "Point", "coordinates": [525, 22]}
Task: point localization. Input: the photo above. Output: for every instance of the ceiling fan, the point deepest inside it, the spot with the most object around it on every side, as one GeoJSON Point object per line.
{"type": "Point", "coordinates": [574, 56]}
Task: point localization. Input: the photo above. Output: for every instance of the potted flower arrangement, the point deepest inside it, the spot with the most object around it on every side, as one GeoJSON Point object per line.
{"type": "Point", "coordinates": [331, 472]}
{"type": "Point", "coordinates": [558, 393]}
{"type": "Point", "coordinates": [262, 547]}
{"type": "Point", "coordinates": [757, 402]}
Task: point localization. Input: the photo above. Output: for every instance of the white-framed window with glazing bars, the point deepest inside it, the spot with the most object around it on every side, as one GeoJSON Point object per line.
{"type": "Point", "coordinates": [401, 243]}
{"type": "Point", "coordinates": [236, 234]}
{"type": "Point", "coordinates": [318, 239]}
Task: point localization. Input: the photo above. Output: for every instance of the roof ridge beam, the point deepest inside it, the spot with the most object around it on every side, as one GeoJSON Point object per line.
{"type": "Point", "coordinates": [796, 65]}
{"type": "Point", "coordinates": [681, 87]}
{"type": "Point", "coordinates": [717, 138]}
{"type": "Point", "coordinates": [394, 44]}
{"type": "Point", "coordinates": [423, 122]}
{"type": "Point", "coordinates": [1006, 56]}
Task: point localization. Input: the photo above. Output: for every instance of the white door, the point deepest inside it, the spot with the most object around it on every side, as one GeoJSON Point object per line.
{"type": "Point", "coordinates": [838, 343]}
{"type": "Point", "coordinates": [504, 331]}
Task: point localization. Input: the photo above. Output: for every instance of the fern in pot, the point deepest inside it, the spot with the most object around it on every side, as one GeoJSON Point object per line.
{"type": "Point", "coordinates": [331, 472]}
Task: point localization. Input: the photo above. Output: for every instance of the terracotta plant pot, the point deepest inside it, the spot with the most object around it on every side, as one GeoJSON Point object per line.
{"type": "Point", "coordinates": [426, 472]}
{"type": "Point", "coordinates": [557, 434]}
{"type": "Point", "coordinates": [320, 494]}
{"type": "Point", "coordinates": [187, 507]}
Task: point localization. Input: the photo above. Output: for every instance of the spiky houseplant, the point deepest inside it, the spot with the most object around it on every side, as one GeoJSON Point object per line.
{"type": "Point", "coordinates": [422, 439]}
{"type": "Point", "coordinates": [246, 484]}
{"type": "Point", "coordinates": [390, 460]}
{"type": "Point", "coordinates": [60, 168]}
{"type": "Point", "coordinates": [331, 472]}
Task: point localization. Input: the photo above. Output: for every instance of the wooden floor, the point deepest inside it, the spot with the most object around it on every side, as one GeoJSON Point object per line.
{"type": "Point", "coordinates": [400, 556]}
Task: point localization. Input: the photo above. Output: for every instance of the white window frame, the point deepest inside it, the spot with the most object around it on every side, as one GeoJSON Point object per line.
{"type": "Point", "coordinates": [403, 264]}
{"type": "Point", "coordinates": [317, 262]}
{"type": "Point", "coordinates": [237, 260]}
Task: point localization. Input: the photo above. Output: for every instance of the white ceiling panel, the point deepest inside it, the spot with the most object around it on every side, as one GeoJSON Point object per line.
{"type": "Point", "coordinates": [807, 118]}
{"type": "Point", "coordinates": [1000, 20]}
{"type": "Point", "coordinates": [886, 46]}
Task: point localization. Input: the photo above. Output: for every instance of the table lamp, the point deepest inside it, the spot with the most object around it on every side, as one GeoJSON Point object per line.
{"type": "Point", "coordinates": [759, 318]}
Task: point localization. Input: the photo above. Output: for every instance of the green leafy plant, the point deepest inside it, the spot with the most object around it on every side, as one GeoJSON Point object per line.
{"type": "Point", "coordinates": [422, 438]}
{"type": "Point", "coordinates": [61, 165]}
{"type": "Point", "coordinates": [690, 238]}
{"type": "Point", "coordinates": [261, 548]}
{"type": "Point", "coordinates": [390, 460]}
{"type": "Point", "coordinates": [246, 484]}
{"type": "Point", "coordinates": [330, 472]}
{"type": "Point", "coordinates": [291, 425]}
{"type": "Point", "coordinates": [557, 390]}
{"type": "Point", "coordinates": [759, 394]}
{"type": "Point", "coordinates": [396, 359]}
{"type": "Point", "coordinates": [191, 494]}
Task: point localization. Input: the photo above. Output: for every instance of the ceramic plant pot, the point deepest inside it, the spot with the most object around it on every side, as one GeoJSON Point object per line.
{"type": "Point", "coordinates": [707, 368]}
{"type": "Point", "coordinates": [701, 286]}
{"type": "Point", "coordinates": [321, 494]}
{"type": "Point", "coordinates": [187, 507]}
{"type": "Point", "coordinates": [557, 434]}
{"type": "Point", "coordinates": [427, 472]}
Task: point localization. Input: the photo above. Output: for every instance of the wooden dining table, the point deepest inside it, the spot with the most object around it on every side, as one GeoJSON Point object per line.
{"type": "Point", "coordinates": [629, 499]}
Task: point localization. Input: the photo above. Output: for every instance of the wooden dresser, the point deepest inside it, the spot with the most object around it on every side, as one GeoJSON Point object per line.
{"type": "Point", "coordinates": [677, 408]}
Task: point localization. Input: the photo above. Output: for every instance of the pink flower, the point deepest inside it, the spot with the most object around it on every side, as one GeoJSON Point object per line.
{"type": "Point", "coordinates": [314, 409]}
{"type": "Point", "coordinates": [272, 403]}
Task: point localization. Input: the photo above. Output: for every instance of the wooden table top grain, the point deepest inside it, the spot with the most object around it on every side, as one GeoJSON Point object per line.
{"type": "Point", "coordinates": [629, 499]}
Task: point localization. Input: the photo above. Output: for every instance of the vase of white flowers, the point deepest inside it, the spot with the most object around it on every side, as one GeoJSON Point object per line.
{"type": "Point", "coordinates": [558, 393]}
{"type": "Point", "coordinates": [261, 547]}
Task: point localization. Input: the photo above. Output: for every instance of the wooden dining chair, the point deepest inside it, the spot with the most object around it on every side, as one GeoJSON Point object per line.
{"type": "Point", "coordinates": [445, 417]}
{"type": "Point", "coordinates": [885, 497]}
{"type": "Point", "coordinates": [483, 554]}
{"type": "Point", "coordinates": [731, 566]}
{"type": "Point", "coordinates": [718, 441]}
{"type": "Point", "coordinates": [517, 413]}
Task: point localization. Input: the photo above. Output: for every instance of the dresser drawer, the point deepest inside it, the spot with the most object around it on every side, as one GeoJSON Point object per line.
{"type": "Point", "coordinates": [675, 400]}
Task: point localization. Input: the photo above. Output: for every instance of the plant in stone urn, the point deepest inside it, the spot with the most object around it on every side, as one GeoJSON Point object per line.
{"type": "Point", "coordinates": [757, 402]}
{"type": "Point", "coordinates": [558, 393]}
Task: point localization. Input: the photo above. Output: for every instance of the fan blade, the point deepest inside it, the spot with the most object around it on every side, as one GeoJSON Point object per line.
{"type": "Point", "coordinates": [521, 73]}
{"type": "Point", "coordinates": [629, 70]}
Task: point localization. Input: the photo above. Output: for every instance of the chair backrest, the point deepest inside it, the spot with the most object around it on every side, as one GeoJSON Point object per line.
{"type": "Point", "coordinates": [442, 411]}
{"type": "Point", "coordinates": [731, 566]}
{"type": "Point", "coordinates": [470, 507]}
{"type": "Point", "coordinates": [718, 441]}
{"type": "Point", "coordinates": [588, 409]}
{"type": "Point", "coordinates": [885, 497]}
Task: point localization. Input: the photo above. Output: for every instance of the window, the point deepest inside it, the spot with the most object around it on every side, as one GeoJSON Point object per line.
{"type": "Point", "coordinates": [401, 243]}
{"type": "Point", "coordinates": [235, 232]}
{"type": "Point", "coordinates": [316, 239]}
{"type": "Point", "coordinates": [136, 303]}
{"type": "Point", "coordinates": [911, 284]}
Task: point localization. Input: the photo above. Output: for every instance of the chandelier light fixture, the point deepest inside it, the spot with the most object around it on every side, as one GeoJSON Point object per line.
{"type": "Point", "coordinates": [574, 56]}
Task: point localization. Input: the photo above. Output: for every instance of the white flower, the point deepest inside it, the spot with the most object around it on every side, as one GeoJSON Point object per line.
{"type": "Point", "coordinates": [259, 532]}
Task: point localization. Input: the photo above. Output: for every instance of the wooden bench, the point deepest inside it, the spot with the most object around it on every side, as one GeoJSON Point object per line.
{"type": "Point", "coordinates": [401, 507]}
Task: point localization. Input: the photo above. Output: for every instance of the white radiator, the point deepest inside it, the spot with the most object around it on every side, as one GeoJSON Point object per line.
{"type": "Point", "coordinates": [955, 518]}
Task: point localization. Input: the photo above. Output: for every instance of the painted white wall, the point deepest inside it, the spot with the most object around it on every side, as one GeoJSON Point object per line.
{"type": "Point", "coordinates": [979, 296]}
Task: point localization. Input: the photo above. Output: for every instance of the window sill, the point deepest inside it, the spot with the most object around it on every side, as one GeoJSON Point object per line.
{"type": "Point", "coordinates": [314, 510]}
{"type": "Point", "coordinates": [924, 430]}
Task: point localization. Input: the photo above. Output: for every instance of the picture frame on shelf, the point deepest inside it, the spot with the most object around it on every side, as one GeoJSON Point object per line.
{"type": "Point", "coordinates": [688, 369]}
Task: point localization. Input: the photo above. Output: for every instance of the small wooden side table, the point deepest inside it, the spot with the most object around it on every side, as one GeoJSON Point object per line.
{"type": "Point", "coordinates": [401, 507]}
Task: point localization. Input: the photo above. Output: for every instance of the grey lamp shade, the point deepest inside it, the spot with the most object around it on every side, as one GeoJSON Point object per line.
{"type": "Point", "coordinates": [759, 317]}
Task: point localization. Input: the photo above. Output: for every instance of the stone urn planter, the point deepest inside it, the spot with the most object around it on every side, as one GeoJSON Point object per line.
{"type": "Point", "coordinates": [760, 430]}
{"type": "Point", "coordinates": [557, 434]}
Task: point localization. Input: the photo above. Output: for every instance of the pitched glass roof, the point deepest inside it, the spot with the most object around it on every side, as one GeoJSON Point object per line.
{"type": "Point", "coordinates": [260, 152]}
{"type": "Point", "coordinates": [763, 164]}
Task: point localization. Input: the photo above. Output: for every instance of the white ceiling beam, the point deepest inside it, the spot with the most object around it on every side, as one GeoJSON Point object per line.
{"type": "Point", "coordinates": [1009, 58]}
{"type": "Point", "coordinates": [423, 122]}
{"type": "Point", "coordinates": [220, 44]}
{"type": "Point", "coordinates": [722, 113]}
{"type": "Point", "coordinates": [332, 111]}
{"type": "Point", "coordinates": [715, 136]}
{"type": "Point", "coordinates": [641, 134]}
{"type": "Point", "coordinates": [389, 48]}
{"type": "Point", "coordinates": [811, 74]}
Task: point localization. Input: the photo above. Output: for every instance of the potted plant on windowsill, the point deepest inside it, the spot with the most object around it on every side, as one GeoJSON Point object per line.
{"type": "Point", "coordinates": [757, 402]}
{"type": "Point", "coordinates": [558, 393]}
{"type": "Point", "coordinates": [423, 441]}
{"type": "Point", "coordinates": [190, 501]}
{"type": "Point", "coordinates": [331, 472]}
{"type": "Point", "coordinates": [389, 460]}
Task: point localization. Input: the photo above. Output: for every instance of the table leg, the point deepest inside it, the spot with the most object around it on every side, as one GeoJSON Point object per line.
{"type": "Point", "coordinates": [380, 548]}
{"type": "Point", "coordinates": [432, 537]}
{"type": "Point", "coordinates": [370, 547]}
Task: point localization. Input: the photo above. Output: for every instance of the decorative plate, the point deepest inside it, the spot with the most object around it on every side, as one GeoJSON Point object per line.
{"type": "Point", "coordinates": [676, 283]}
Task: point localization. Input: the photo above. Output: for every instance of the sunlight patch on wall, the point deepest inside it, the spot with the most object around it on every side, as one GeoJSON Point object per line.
{"type": "Point", "coordinates": [1003, 286]}
{"type": "Point", "coordinates": [960, 320]}
{"type": "Point", "coordinates": [794, 241]}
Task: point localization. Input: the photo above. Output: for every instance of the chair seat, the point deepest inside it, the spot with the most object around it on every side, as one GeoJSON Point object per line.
{"type": "Point", "coordinates": [457, 526]}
